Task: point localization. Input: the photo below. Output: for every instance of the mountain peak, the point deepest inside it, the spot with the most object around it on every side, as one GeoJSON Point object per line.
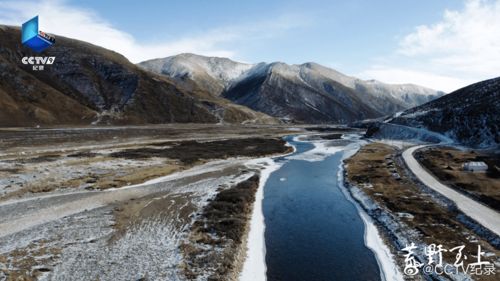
{"type": "Point", "coordinates": [319, 93]}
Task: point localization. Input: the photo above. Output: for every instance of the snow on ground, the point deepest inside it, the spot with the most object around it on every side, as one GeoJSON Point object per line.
{"type": "Point", "coordinates": [400, 144]}
{"type": "Point", "coordinates": [254, 267]}
{"type": "Point", "coordinates": [321, 150]}
{"type": "Point", "coordinates": [401, 132]}
{"type": "Point", "coordinates": [388, 268]}
{"type": "Point", "coordinates": [62, 170]}
{"type": "Point", "coordinates": [56, 206]}
{"type": "Point", "coordinates": [81, 240]}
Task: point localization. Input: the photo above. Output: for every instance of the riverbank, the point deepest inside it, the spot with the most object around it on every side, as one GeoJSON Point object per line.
{"type": "Point", "coordinates": [405, 211]}
{"type": "Point", "coordinates": [373, 240]}
{"type": "Point", "coordinates": [255, 265]}
{"type": "Point", "coordinates": [134, 229]}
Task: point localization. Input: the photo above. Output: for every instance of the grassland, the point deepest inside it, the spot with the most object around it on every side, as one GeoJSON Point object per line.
{"type": "Point", "coordinates": [445, 163]}
{"type": "Point", "coordinates": [407, 211]}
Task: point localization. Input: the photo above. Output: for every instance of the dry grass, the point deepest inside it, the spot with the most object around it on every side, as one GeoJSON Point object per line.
{"type": "Point", "coordinates": [29, 263]}
{"type": "Point", "coordinates": [135, 176]}
{"type": "Point", "coordinates": [223, 224]}
{"type": "Point", "coordinates": [190, 152]}
{"type": "Point", "coordinates": [169, 208]}
{"type": "Point", "coordinates": [176, 156]}
{"type": "Point", "coordinates": [446, 164]}
{"type": "Point", "coordinates": [370, 170]}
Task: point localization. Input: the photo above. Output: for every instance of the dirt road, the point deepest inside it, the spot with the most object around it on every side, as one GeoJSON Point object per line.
{"type": "Point", "coordinates": [484, 215]}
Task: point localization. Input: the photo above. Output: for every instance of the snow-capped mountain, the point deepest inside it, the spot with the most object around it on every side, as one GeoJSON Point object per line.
{"type": "Point", "coordinates": [469, 116]}
{"type": "Point", "coordinates": [288, 92]}
{"type": "Point", "coordinates": [211, 73]}
{"type": "Point", "coordinates": [306, 93]}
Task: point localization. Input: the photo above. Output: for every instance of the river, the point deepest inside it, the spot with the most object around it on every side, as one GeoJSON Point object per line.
{"type": "Point", "coordinates": [312, 230]}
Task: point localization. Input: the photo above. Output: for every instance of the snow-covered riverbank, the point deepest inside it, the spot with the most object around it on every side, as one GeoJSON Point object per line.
{"type": "Point", "coordinates": [254, 267]}
{"type": "Point", "coordinates": [388, 268]}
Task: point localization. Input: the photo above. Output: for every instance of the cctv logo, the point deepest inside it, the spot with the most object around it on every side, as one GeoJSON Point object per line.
{"type": "Point", "coordinates": [38, 60]}
{"type": "Point", "coordinates": [38, 41]}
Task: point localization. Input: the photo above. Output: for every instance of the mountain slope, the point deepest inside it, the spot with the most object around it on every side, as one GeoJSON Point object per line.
{"type": "Point", "coordinates": [210, 73]}
{"type": "Point", "coordinates": [280, 90]}
{"type": "Point", "coordinates": [388, 97]}
{"type": "Point", "coordinates": [307, 93]}
{"type": "Point", "coordinates": [469, 115]}
{"type": "Point", "coordinates": [89, 84]}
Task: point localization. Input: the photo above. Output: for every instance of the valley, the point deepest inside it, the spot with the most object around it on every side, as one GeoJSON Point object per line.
{"type": "Point", "coordinates": [212, 192]}
{"type": "Point", "coordinates": [183, 166]}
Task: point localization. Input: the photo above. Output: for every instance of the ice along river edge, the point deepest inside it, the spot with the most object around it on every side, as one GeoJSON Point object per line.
{"type": "Point", "coordinates": [254, 267]}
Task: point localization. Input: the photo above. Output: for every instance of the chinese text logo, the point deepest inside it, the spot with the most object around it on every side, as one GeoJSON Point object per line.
{"type": "Point", "coordinates": [435, 264]}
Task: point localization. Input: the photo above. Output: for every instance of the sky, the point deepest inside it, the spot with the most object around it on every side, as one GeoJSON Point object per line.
{"type": "Point", "coordinates": [444, 45]}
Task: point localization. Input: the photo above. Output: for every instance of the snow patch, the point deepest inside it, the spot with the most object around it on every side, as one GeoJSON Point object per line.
{"type": "Point", "coordinates": [388, 268]}
{"type": "Point", "coordinates": [254, 267]}
{"type": "Point", "coordinates": [321, 150]}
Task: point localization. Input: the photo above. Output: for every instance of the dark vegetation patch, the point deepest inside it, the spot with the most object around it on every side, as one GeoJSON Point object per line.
{"type": "Point", "coordinates": [190, 152]}
{"type": "Point", "coordinates": [372, 130]}
{"type": "Point", "coordinates": [328, 129]}
{"type": "Point", "coordinates": [83, 154]}
{"type": "Point", "coordinates": [10, 170]}
{"type": "Point", "coordinates": [222, 224]}
{"type": "Point", "coordinates": [43, 158]}
{"type": "Point", "coordinates": [331, 136]}
{"type": "Point", "coordinates": [226, 215]}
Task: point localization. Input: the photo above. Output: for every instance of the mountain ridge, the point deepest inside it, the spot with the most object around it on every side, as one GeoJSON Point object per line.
{"type": "Point", "coordinates": [339, 93]}
{"type": "Point", "coordinates": [468, 115]}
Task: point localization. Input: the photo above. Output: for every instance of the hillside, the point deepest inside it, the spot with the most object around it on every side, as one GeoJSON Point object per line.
{"type": "Point", "coordinates": [89, 84]}
{"type": "Point", "coordinates": [308, 93]}
{"type": "Point", "coordinates": [469, 116]}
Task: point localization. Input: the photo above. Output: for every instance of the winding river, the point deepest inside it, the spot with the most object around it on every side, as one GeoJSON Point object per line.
{"type": "Point", "coordinates": [312, 230]}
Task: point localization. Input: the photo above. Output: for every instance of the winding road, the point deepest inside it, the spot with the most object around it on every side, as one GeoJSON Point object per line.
{"type": "Point", "coordinates": [484, 215]}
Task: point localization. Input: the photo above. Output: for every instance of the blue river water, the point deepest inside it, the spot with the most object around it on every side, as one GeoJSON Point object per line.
{"type": "Point", "coordinates": [313, 232]}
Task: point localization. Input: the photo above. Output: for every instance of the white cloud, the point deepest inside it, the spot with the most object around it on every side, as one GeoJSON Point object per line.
{"type": "Point", "coordinates": [463, 47]}
{"type": "Point", "coordinates": [59, 18]}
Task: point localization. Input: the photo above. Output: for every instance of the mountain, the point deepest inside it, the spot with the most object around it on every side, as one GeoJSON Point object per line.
{"type": "Point", "coordinates": [89, 84]}
{"type": "Point", "coordinates": [307, 93]}
{"type": "Point", "coordinates": [469, 116]}
{"type": "Point", "coordinates": [210, 73]}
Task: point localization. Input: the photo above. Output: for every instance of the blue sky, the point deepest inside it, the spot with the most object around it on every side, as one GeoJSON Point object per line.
{"type": "Point", "coordinates": [345, 32]}
{"type": "Point", "coordinates": [442, 44]}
